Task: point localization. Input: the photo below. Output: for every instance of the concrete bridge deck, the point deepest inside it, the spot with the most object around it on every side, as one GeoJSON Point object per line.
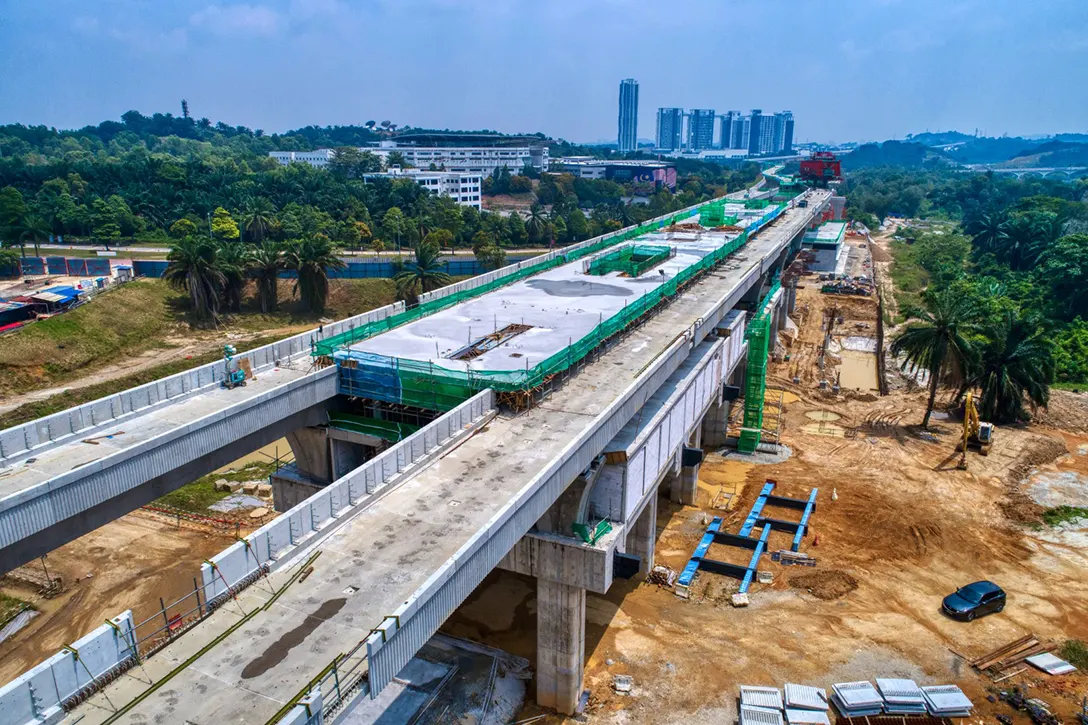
{"type": "Point", "coordinates": [429, 540]}
{"type": "Point", "coordinates": [146, 455]}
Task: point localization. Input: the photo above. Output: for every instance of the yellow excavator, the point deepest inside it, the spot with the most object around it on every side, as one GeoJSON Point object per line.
{"type": "Point", "coordinates": [977, 434]}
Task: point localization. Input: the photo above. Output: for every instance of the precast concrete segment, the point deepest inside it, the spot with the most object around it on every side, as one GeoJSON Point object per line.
{"type": "Point", "coordinates": [560, 644]}
{"type": "Point", "coordinates": [69, 479]}
{"type": "Point", "coordinates": [434, 538]}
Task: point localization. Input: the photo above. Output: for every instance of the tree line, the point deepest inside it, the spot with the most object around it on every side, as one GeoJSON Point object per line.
{"type": "Point", "coordinates": [1003, 307]}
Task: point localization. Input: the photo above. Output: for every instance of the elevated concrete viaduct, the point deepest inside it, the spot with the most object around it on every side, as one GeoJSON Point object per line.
{"type": "Point", "coordinates": [412, 532]}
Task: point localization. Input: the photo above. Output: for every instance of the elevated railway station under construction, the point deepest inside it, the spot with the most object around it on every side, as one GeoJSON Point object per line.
{"type": "Point", "coordinates": [550, 402]}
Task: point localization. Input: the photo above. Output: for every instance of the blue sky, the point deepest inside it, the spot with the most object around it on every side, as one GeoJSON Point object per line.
{"type": "Point", "coordinates": [848, 69]}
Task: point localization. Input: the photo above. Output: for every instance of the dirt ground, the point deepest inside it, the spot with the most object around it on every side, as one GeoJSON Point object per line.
{"type": "Point", "coordinates": [897, 527]}
{"type": "Point", "coordinates": [127, 564]}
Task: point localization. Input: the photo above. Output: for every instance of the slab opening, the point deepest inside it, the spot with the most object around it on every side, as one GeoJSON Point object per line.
{"type": "Point", "coordinates": [489, 342]}
{"type": "Point", "coordinates": [630, 261]}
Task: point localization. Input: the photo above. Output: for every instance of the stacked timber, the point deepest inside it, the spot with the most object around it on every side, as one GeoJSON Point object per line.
{"type": "Point", "coordinates": [1005, 657]}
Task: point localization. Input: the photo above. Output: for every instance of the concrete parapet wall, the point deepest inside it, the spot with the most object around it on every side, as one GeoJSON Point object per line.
{"type": "Point", "coordinates": [37, 696]}
{"type": "Point", "coordinates": [273, 544]}
{"type": "Point", "coordinates": [22, 440]}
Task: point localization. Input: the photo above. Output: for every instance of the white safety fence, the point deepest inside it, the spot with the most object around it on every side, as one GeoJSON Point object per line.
{"type": "Point", "coordinates": [38, 696]}
{"type": "Point", "coordinates": [22, 440]}
{"type": "Point", "coordinates": [274, 543]}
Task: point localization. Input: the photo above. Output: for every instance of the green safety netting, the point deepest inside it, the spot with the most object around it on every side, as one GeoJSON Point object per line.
{"type": "Point", "coordinates": [384, 429]}
{"type": "Point", "coordinates": [755, 380]}
{"type": "Point", "coordinates": [632, 261]}
{"type": "Point", "coordinates": [331, 344]}
{"type": "Point", "coordinates": [426, 385]}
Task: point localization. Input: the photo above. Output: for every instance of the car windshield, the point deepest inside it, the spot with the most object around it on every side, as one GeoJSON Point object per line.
{"type": "Point", "coordinates": [970, 593]}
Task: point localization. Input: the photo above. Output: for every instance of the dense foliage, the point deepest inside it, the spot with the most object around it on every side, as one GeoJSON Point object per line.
{"type": "Point", "coordinates": [1016, 263]}
{"type": "Point", "coordinates": [232, 214]}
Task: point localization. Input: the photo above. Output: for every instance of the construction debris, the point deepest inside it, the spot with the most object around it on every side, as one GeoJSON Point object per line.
{"type": "Point", "coordinates": [1004, 658]}
{"type": "Point", "coordinates": [662, 576]}
{"type": "Point", "coordinates": [622, 684]}
{"type": "Point", "coordinates": [1050, 664]}
{"type": "Point", "coordinates": [785, 557]}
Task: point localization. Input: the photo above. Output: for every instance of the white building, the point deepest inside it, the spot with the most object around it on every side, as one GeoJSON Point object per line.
{"type": "Point", "coordinates": [485, 160]}
{"type": "Point", "coordinates": [465, 189]}
{"type": "Point", "coordinates": [319, 158]}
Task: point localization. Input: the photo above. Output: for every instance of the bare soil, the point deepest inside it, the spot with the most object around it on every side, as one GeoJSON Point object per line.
{"type": "Point", "coordinates": [126, 564]}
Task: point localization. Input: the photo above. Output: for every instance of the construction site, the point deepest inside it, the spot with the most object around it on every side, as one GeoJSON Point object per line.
{"type": "Point", "coordinates": [763, 535]}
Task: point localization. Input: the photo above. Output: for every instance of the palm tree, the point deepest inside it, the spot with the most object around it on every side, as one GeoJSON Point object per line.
{"type": "Point", "coordinates": [1014, 364]}
{"type": "Point", "coordinates": [988, 231]}
{"type": "Point", "coordinates": [264, 265]}
{"type": "Point", "coordinates": [423, 276]}
{"type": "Point", "coordinates": [311, 258]}
{"type": "Point", "coordinates": [939, 343]}
{"type": "Point", "coordinates": [258, 219]}
{"type": "Point", "coordinates": [537, 223]}
{"type": "Point", "coordinates": [34, 228]}
{"type": "Point", "coordinates": [231, 260]}
{"type": "Point", "coordinates": [193, 268]}
{"type": "Point", "coordinates": [1026, 235]}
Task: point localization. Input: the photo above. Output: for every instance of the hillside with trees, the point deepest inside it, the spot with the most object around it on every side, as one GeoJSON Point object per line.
{"type": "Point", "coordinates": [995, 294]}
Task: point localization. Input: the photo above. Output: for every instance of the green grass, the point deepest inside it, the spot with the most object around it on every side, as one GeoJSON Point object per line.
{"type": "Point", "coordinates": [10, 606]}
{"type": "Point", "coordinates": [122, 253]}
{"type": "Point", "coordinates": [1075, 653]}
{"type": "Point", "coordinates": [1076, 387]}
{"type": "Point", "coordinates": [1063, 514]}
{"type": "Point", "coordinates": [200, 494]}
{"type": "Point", "coordinates": [147, 315]}
{"type": "Point", "coordinates": [908, 276]}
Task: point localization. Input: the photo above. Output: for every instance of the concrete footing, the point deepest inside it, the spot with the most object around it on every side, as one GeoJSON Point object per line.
{"type": "Point", "coordinates": [560, 645]}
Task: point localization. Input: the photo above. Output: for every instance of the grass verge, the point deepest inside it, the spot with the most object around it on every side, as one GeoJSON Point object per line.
{"type": "Point", "coordinates": [201, 494]}
{"type": "Point", "coordinates": [10, 606]}
{"type": "Point", "coordinates": [1075, 653]}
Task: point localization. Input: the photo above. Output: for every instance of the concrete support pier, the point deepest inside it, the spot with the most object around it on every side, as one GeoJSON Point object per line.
{"type": "Point", "coordinates": [715, 424]}
{"type": "Point", "coordinates": [642, 537]}
{"type": "Point", "coordinates": [560, 645]}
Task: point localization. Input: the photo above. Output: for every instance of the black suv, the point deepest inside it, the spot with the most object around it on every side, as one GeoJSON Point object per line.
{"type": "Point", "coordinates": [974, 600]}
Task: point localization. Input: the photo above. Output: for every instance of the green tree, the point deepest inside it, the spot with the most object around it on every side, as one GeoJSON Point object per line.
{"type": "Point", "coordinates": [264, 264]}
{"type": "Point", "coordinates": [192, 268]}
{"type": "Point", "coordinates": [224, 228]}
{"type": "Point", "coordinates": [34, 229]}
{"type": "Point", "coordinates": [396, 158]}
{"type": "Point", "coordinates": [940, 343]}
{"type": "Point", "coordinates": [311, 258]}
{"type": "Point", "coordinates": [1064, 268]}
{"type": "Point", "coordinates": [1071, 352]}
{"type": "Point", "coordinates": [1014, 366]}
{"type": "Point", "coordinates": [107, 228]}
{"type": "Point", "coordinates": [516, 229]}
{"type": "Point", "coordinates": [183, 228]}
{"type": "Point", "coordinates": [394, 225]}
{"type": "Point", "coordinates": [482, 239]}
{"type": "Point", "coordinates": [537, 224]}
{"type": "Point", "coordinates": [490, 256]}
{"type": "Point", "coordinates": [258, 219]}
{"type": "Point", "coordinates": [578, 226]}
{"type": "Point", "coordinates": [424, 275]}
{"type": "Point", "coordinates": [232, 259]}
{"type": "Point", "coordinates": [9, 260]}
{"type": "Point", "coordinates": [438, 239]}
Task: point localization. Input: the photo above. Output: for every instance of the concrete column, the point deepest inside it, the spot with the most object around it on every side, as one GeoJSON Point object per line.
{"type": "Point", "coordinates": [791, 300]}
{"type": "Point", "coordinates": [642, 537]}
{"type": "Point", "coordinates": [739, 373]}
{"type": "Point", "coordinates": [560, 645]}
{"type": "Point", "coordinates": [311, 449]}
{"type": "Point", "coordinates": [695, 440]}
{"type": "Point", "coordinates": [685, 487]}
{"type": "Point", "coordinates": [715, 424]}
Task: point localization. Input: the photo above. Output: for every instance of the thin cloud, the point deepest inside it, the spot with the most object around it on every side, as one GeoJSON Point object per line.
{"type": "Point", "coordinates": [254, 20]}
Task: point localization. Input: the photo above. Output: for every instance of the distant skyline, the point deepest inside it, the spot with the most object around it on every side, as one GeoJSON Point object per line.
{"type": "Point", "coordinates": [854, 70]}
